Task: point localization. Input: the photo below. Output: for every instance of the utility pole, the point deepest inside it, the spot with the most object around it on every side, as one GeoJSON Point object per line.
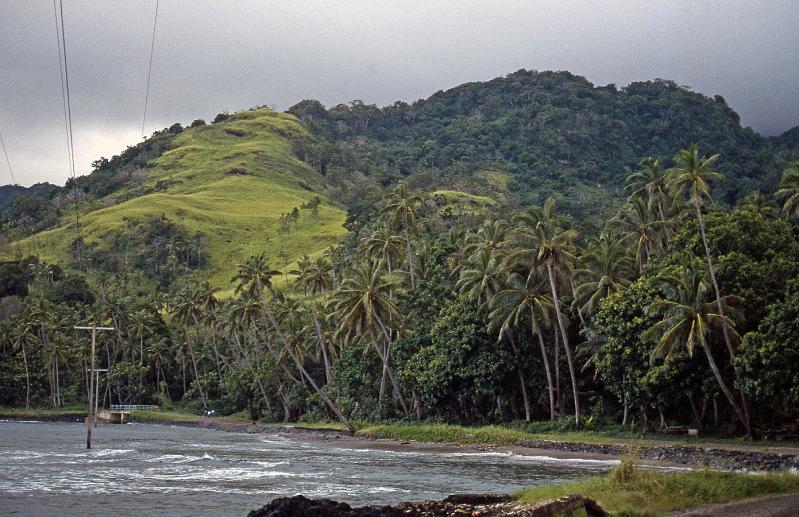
{"type": "Point", "coordinates": [91, 417]}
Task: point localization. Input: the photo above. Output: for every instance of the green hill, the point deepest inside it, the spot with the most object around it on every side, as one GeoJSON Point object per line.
{"type": "Point", "coordinates": [230, 181]}
{"type": "Point", "coordinates": [552, 133]}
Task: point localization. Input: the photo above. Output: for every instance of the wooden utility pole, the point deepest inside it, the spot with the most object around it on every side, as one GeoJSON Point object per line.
{"type": "Point", "coordinates": [91, 416]}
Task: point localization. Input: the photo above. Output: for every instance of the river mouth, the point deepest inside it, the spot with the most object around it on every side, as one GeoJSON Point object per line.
{"type": "Point", "coordinates": [168, 470]}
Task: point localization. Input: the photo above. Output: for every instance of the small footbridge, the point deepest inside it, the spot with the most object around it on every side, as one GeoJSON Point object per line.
{"type": "Point", "coordinates": [120, 413]}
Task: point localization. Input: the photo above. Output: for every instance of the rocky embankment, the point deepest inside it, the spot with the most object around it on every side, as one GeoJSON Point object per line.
{"type": "Point", "coordinates": [454, 505]}
{"type": "Point", "coordinates": [688, 455]}
{"type": "Point", "coordinates": [695, 456]}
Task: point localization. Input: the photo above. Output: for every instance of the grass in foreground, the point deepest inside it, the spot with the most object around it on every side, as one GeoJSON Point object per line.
{"type": "Point", "coordinates": [630, 490]}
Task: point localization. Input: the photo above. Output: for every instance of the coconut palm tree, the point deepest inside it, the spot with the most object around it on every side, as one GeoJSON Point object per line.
{"type": "Point", "coordinates": [401, 213]}
{"type": "Point", "coordinates": [543, 243]}
{"type": "Point", "coordinates": [492, 237]}
{"type": "Point", "coordinates": [364, 306]}
{"type": "Point", "coordinates": [691, 176]}
{"type": "Point", "coordinates": [141, 323]}
{"type": "Point", "coordinates": [606, 269]}
{"type": "Point", "coordinates": [650, 184]}
{"type": "Point", "coordinates": [789, 189]}
{"type": "Point", "coordinates": [760, 205]}
{"type": "Point", "coordinates": [22, 338]}
{"type": "Point", "coordinates": [312, 277]}
{"type": "Point", "coordinates": [637, 225]}
{"type": "Point", "coordinates": [384, 245]}
{"type": "Point", "coordinates": [482, 277]}
{"type": "Point", "coordinates": [686, 319]}
{"type": "Point", "coordinates": [187, 311]}
{"type": "Point", "coordinates": [254, 277]}
{"type": "Point", "coordinates": [523, 297]}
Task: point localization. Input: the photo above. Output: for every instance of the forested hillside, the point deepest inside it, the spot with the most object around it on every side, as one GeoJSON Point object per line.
{"type": "Point", "coordinates": [554, 133]}
{"type": "Point", "coordinates": [531, 248]}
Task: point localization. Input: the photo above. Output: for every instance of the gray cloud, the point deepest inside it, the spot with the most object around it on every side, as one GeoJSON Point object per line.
{"type": "Point", "coordinates": [213, 56]}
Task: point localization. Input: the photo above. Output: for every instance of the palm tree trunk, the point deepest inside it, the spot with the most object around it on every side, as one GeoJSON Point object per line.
{"type": "Point", "coordinates": [384, 359]}
{"type": "Point", "coordinates": [724, 330]}
{"type": "Point", "coordinates": [196, 372]}
{"type": "Point", "coordinates": [522, 380]}
{"type": "Point", "coordinates": [410, 258]}
{"type": "Point", "coordinates": [558, 394]}
{"type": "Point", "coordinates": [27, 378]}
{"type": "Point", "coordinates": [325, 358]}
{"type": "Point", "coordinates": [550, 387]}
{"type": "Point", "coordinates": [305, 373]}
{"type": "Point", "coordinates": [723, 385]}
{"type": "Point", "coordinates": [248, 361]}
{"type": "Point", "coordinates": [561, 324]}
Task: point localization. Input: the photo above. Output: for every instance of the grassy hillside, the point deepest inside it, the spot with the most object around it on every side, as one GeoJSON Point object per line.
{"type": "Point", "coordinates": [230, 181]}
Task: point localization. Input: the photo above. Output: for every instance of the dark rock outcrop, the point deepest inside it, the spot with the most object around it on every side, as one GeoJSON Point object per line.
{"type": "Point", "coordinates": [475, 505]}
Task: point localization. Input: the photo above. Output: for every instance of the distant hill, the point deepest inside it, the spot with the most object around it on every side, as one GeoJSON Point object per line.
{"type": "Point", "coordinates": [208, 195]}
{"type": "Point", "coordinates": [227, 183]}
{"type": "Point", "coordinates": [551, 132]}
{"type": "Point", "coordinates": [8, 193]}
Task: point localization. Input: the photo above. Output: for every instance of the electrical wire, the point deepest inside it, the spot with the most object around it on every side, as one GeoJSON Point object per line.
{"type": "Point", "coordinates": [149, 70]}
{"type": "Point", "coordinates": [68, 108]}
{"type": "Point", "coordinates": [8, 162]}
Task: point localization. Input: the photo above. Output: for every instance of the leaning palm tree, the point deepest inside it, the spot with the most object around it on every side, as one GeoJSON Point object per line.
{"type": "Point", "coordinates": [789, 189]}
{"type": "Point", "coordinates": [691, 176]}
{"type": "Point", "coordinates": [687, 317]}
{"type": "Point", "coordinates": [606, 269]}
{"type": "Point", "coordinates": [311, 277]}
{"type": "Point", "coordinates": [524, 297]}
{"type": "Point", "coordinates": [364, 306]}
{"type": "Point", "coordinates": [255, 276]}
{"type": "Point", "coordinates": [543, 243]}
{"type": "Point", "coordinates": [401, 213]}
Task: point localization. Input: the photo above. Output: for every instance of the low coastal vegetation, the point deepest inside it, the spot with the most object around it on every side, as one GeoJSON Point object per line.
{"type": "Point", "coordinates": [634, 491]}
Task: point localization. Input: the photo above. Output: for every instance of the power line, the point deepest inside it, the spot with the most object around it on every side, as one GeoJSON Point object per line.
{"type": "Point", "coordinates": [8, 162]}
{"type": "Point", "coordinates": [70, 140]}
{"type": "Point", "coordinates": [149, 69]}
{"type": "Point", "coordinates": [63, 90]}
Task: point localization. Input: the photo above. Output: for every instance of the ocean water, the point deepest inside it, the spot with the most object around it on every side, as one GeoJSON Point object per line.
{"type": "Point", "coordinates": [165, 470]}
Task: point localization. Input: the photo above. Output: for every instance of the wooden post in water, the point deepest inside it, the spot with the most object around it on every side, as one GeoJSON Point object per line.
{"type": "Point", "coordinates": [91, 416]}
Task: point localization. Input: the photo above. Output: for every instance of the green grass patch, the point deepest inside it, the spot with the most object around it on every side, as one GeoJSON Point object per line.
{"type": "Point", "coordinates": [507, 435]}
{"type": "Point", "coordinates": [630, 490]}
{"type": "Point", "coordinates": [45, 411]}
{"type": "Point", "coordinates": [232, 189]}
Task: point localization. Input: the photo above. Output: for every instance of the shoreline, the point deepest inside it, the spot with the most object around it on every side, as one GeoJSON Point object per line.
{"type": "Point", "coordinates": [674, 456]}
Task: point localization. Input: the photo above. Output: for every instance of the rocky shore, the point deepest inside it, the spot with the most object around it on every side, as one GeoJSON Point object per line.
{"type": "Point", "coordinates": [693, 456]}
{"type": "Point", "coordinates": [454, 505]}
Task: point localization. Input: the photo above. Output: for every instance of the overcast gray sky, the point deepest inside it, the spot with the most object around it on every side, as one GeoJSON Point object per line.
{"type": "Point", "coordinates": [212, 56]}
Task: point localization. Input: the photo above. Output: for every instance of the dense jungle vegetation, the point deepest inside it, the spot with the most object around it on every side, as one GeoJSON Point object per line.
{"type": "Point", "coordinates": [497, 267]}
